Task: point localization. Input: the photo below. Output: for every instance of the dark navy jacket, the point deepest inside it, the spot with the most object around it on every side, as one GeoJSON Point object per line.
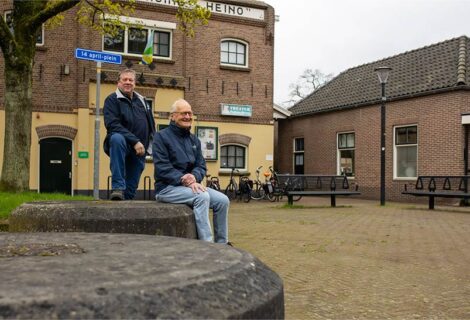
{"type": "Point", "coordinates": [119, 118]}
{"type": "Point", "coordinates": [176, 152]}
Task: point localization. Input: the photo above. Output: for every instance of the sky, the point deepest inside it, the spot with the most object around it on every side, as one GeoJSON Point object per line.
{"type": "Point", "coordinates": [335, 35]}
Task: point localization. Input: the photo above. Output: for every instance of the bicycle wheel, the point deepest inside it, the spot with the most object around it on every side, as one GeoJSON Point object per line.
{"type": "Point", "coordinates": [296, 198]}
{"type": "Point", "coordinates": [231, 192]}
{"type": "Point", "coordinates": [272, 196]}
{"type": "Point", "coordinates": [258, 192]}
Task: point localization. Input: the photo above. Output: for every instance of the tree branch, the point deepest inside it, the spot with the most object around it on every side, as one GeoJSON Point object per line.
{"type": "Point", "coordinates": [55, 7]}
{"type": "Point", "coordinates": [5, 38]}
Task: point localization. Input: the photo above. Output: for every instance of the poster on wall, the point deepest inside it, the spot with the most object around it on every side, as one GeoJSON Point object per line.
{"type": "Point", "coordinates": [209, 139]}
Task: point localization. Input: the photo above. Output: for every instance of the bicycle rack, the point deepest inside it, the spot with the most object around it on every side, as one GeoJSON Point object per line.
{"type": "Point", "coordinates": [107, 188]}
{"type": "Point", "coordinates": [147, 182]}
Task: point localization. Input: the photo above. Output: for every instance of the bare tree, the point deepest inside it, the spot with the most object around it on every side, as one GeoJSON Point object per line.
{"type": "Point", "coordinates": [308, 82]}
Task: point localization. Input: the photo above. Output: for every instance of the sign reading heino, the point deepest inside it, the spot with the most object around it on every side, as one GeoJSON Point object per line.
{"type": "Point", "coordinates": [220, 8]}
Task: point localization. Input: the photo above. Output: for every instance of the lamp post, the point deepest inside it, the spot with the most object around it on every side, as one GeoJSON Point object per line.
{"type": "Point", "coordinates": [383, 73]}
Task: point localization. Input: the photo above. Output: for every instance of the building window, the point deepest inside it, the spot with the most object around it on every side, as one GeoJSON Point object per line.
{"type": "Point", "coordinates": [232, 156]}
{"type": "Point", "coordinates": [149, 102]}
{"type": "Point", "coordinates": [346, 148]}
{"type": "Point", "coordinates": [234, 53]}
{"type": "Point", "coordinates": [39, 33]}
{"type": "Point", "coordinates": [133, 41]}
{"type": "Point", "coordinates": [406, 152]}
{"type": "Point", "coordinates": [299, 156]}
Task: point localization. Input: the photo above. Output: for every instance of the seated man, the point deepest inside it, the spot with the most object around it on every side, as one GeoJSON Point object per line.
{"type": "Point", "coordinates": [179, 170]}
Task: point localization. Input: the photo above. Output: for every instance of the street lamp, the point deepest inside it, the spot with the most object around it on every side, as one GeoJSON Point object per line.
{"type": "Point", "coordinates": [383, 73]}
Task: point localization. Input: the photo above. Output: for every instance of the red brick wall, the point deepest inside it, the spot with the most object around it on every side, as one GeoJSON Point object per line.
{"type": "Point", "coordinates": [440, 140]}
{"type": "Point", "coordinates": [196, 59]}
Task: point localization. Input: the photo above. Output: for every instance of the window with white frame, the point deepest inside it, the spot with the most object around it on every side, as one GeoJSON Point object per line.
{"type": "Point", "coordinates": [132, 41]}
{"type": "Point", "coordinates": [39, 34]}
{"type": "Point", "coordinates": [346, 150]}
{"type": "Point", "coordinates": [299, 155]}
{"type": "Point", "coordinates": [232, 156]}
{"type": "Point", "coordinates": [406, 152]}
{"type": "Point", "coordinates": [234, 53]}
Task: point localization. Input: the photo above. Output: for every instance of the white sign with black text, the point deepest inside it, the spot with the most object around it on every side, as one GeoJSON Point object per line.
{"type": "Point", "coordinates": [220, 8]}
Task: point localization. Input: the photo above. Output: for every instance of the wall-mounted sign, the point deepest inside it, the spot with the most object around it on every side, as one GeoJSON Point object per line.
{"type": "Point", "coordinates": [208, 138]}
{"type": "Point", "coordinates": [221, 8]}
{"type": "Point", "coordinates": [235, 110]}
{"type": "Point", "coordinates": [83, 154]}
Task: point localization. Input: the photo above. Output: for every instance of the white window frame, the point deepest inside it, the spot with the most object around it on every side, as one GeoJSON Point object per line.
{"type": "Point", "coordinates": [228, 170]}
{"type": "Point", "coordinates": [247, 50]}
{"type": "Point", "coordinates": [395, 152]}
{"type": "Point", "coordinates": [338, 152]}
{"type": "Point", "coordinates": [154, 25]}
{"type": "Point", "coordinates": [9, 12]}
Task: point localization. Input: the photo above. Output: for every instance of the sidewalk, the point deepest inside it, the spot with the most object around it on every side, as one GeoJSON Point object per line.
{"type": "Point", "coordinates": [360, 260]}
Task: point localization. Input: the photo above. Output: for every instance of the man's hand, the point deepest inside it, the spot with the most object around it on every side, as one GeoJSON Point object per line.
{"type": "Point", "coordinates": [139, 149]}
{"type": "Point", "coordinates": [197, 187]}
{"type": "Point", "coordinates": [188, 179]}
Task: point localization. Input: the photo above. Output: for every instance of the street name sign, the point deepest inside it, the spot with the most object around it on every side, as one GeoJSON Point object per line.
{"type": "Point", "coordinates": [98, 56]}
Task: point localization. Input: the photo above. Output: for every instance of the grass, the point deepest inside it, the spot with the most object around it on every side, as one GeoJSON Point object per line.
{"type": "Point", "coordinates": [297, 206]}
{"type": "Point", "coordinates": [9, 201]}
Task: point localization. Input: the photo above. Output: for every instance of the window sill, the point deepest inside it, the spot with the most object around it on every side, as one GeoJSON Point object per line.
{"type": "Point", "coordinates": [157, 60]}
{"type": "Point", "coordinates": [235, 68]}
{"type": "Point", "coordinates": [226, 173]}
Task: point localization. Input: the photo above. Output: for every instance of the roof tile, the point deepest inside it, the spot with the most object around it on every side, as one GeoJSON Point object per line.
{"type": "Point", "coordinates": [434, 67]}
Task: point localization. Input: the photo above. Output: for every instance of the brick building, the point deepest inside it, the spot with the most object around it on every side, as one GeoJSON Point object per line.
{"type": "Point", "coordinates": [225, 72]}
{"type": "Point", "coordinates": [336, 129]}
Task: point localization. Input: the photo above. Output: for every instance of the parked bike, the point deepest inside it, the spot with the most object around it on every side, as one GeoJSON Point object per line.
{"type": "Point", "coordinates": [213, 182]}
{"type": "Point", "coordinates": [258, 192]}
{"type": "Point", "coordinates": [242, 190]}
{"type": "Point", "coordinates": [279, 190]}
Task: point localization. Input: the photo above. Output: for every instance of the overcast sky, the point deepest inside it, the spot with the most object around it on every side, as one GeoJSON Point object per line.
{"type": "Point", "coordinates": [335, 35]}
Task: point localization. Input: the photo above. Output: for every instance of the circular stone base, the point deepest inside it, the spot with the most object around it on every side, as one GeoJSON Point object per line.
{"type": "Point", "coordinates": [141, 217]}
{"type": "Point", "coordinates": [83, 275]}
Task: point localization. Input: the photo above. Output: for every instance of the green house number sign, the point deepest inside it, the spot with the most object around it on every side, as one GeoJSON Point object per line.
{"type": "Point", "coordinates": [83, 154]}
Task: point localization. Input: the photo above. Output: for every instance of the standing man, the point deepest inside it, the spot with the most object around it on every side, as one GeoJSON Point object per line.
{"type": "Point", "coordinates": [130, 126]}
{"type": "Point", "coordinates": [179, 170]}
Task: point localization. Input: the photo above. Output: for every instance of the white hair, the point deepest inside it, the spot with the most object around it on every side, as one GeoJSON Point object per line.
{"type": "Point", "coordinates": [175, 105]}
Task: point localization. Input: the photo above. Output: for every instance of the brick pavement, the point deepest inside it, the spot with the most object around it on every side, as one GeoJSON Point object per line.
{"type": "Point", "coordinates": [360, 260]}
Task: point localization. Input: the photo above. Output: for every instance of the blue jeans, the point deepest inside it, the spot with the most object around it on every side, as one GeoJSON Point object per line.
{"type": "Point", "coordinates": [126, 166]}
{"type": "Point", "coordinates": [201, 202]}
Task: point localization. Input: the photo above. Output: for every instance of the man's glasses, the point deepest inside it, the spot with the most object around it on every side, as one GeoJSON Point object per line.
{"type": "Point", "coordinates": [185, 113]}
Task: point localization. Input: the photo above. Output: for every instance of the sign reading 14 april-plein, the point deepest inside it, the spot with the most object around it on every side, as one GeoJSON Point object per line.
{"type": "Point", "coordinates": [98, 56]}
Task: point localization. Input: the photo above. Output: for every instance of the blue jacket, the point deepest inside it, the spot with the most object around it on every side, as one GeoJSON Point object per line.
{"type": "Point", "coordinates": [176, 152]}
{"type": "Point", "coordinates": [119, 118]}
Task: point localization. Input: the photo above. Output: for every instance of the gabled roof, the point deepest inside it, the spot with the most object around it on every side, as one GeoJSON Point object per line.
{"type": "Point", "coordinates": [437, 67]}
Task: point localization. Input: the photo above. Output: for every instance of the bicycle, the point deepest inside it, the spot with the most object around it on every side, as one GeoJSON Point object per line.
{"type": "Point", "coordinates": [213, 182]}
{"type": "Point", "coordinates": [241, 190]}
{"type": "Point", "coordinates": [278, 190]}
{"type": "Point", "coordinates": [258, 192]}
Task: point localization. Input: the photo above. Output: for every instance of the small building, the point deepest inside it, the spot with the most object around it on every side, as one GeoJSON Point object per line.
{"type": "Point", "coordinates": [225, 72]}
{"type": "Point", "coordinates": [337, 129]}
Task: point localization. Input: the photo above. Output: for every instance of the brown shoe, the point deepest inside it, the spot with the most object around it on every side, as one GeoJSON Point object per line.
{"type": "Point", "coordinates": [117, 195]}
